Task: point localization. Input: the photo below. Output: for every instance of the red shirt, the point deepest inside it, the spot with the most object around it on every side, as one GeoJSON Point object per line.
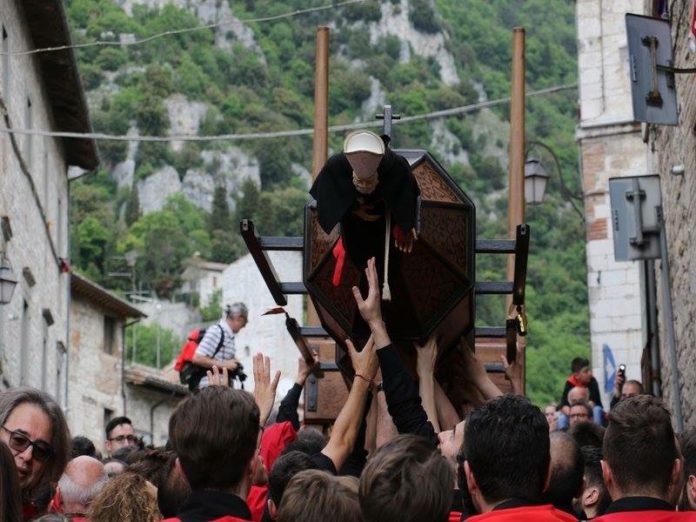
{"type": "Point", "coordinates": [274, 440]}
{"type": "Point", "coordinates": [227, 518]}
{"type": "Point", "coordinates": [256, 500]}
{"type": "Point", "coordinates": [644, 509]}
{"type": "Point", "coordinates": [648, 516]}
{"type": "Point", "coordinates": [545, 513]}
{"type": "Point", "coordinates": [29, 511]}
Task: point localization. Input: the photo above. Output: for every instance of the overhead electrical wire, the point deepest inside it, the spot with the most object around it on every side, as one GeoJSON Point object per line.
{"type": "Point", "coordinates": [286, 133]}
{"type": "Point", "coordinates": [108, 43]}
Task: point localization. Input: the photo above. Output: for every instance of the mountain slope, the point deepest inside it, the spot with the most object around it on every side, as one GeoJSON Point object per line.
{"type": "Point", "coordinates": [253, 73]}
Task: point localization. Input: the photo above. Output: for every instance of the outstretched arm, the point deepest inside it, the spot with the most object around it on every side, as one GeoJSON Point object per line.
{"type": "Point", "coordinates": [287, 411]}
{"type": "Point", "coordinates": [264, 387]}
{"type": "Point", "coordinates": [446, 413]}
{"type": "Point", "coordinates": [401, 392]}
{"type": "Point", "coordinates": [514, 371]}
{"type": "Point", "coordinates": [345, 429]}
{"type": "Point", "coordinates": [425, 367]}
{"type": "Point", "coordinates": [477, 375]}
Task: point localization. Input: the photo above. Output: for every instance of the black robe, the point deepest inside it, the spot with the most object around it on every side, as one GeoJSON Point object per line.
{"type": "Point", "coordinates": [337, 198]}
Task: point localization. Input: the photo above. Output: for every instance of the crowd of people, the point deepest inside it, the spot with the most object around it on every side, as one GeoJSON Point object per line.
{"type": "Point", "coordinates": [398, 451]}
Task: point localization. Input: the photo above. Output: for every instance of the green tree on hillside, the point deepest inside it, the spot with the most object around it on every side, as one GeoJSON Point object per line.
{"type": "Point", "coordinates": [269, 86]}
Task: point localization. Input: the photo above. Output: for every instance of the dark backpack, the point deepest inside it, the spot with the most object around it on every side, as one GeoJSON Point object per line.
{"type": "Point", "coordinates": [191, 374]}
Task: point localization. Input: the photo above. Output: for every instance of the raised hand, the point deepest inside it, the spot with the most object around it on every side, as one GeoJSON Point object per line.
{"type": "Point", "coordinates": [365, 363]}
{"type": "Point", "coordinates": [304, 369]}
{"type": "Point", "coordinates": [370, 308]}
{"type": "Point", "coordinates": [264, 388]}
{"type": "Point", "coordinates": [217, 377]}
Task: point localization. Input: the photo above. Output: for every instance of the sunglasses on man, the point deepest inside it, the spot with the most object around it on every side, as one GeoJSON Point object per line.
{"type": "Point", "coordinates": [19, 442]}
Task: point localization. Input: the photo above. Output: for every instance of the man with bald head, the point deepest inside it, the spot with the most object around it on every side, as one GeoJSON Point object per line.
{"type": "Point", "coordinates": [81, 482]}
{"type": "Point", "coordinates": [567, 466]}
{"type": "Point", "coordinates": [577, 396]}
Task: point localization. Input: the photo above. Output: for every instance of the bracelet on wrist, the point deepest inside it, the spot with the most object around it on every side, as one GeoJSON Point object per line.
{"type": "Point", "coordinates": [368, 381]}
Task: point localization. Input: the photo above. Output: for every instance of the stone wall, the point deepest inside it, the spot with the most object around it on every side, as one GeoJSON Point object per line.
{"type": "Point", "coordinates": [610, 146]}
{"type": "Point", "coordinates": [94, 381]}
{"type": "Point", "coordinates": [97, 390]}
{"type": "Point", "coordinates": [32, 349]}
{"type": "Point", "coordinates": [150, 411]}
{"type": "Point", "coordinates": [676, 147]}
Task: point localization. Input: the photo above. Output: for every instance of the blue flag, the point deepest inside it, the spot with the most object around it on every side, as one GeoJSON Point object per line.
{"type": "Point", "coordinates": [609, 368]}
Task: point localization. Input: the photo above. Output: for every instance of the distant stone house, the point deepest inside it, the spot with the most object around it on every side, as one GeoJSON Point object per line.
{"type": "Point", "coordinates": [101, 384]}
{"type": "Point", "coordinates": [40, 92]}
{"type": "Point", "coordinates": [200, 279]}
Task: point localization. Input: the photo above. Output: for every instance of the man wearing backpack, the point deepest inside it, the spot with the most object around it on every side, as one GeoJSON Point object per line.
{"type": "Point", "coordinates": [217, 346]}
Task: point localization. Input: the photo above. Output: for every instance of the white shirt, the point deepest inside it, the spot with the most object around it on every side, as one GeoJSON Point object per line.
{"type": "Point", "coordinates": [210, 342]}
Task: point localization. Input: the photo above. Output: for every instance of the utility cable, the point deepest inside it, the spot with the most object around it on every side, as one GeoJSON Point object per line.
{"type": "Point", "coordinates": [111, 43]}
{"type": "Point", "coordinates": [287, 133]}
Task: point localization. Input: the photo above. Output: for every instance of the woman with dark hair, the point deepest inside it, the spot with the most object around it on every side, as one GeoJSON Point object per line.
{"type": "Point", "coordinates": [33, 427]}
{"type": "Point", "coordinates": [10, 495]}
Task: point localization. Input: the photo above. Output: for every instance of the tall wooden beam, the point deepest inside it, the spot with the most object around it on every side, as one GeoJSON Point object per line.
{"type": "Point", "coordinates": [516, 164]}
{"type": "Point", "coordinates": [516, 169]}
{"type": "Point", "coordinates": [320, 143]}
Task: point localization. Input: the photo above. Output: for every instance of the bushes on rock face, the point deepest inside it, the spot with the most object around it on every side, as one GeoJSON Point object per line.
{"type": "Point", "coordinates": [367, 12]}
{"type": "Point", "coordinates": [422, 16]}
{"type": "Point", "coordinates": [349, 89]}
{"type": "Point", "coordinates": [111, 58]}
{"type": "Point", "coordinates": [249, 93]}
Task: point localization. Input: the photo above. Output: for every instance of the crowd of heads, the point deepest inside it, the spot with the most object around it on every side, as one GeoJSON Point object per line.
{"type": "Point", "coordinates": [503, 450]}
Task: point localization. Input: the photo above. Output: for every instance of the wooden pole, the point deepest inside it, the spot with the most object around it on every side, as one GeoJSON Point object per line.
{"type": "Point", "coordinates": [516, 168]}
{"type": "Point", "coordinates": [516, 164]}
{"type": "Point", "coordinates": [320, 143]}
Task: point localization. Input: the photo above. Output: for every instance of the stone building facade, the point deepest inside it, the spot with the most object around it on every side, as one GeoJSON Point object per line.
{"type": "Point", "coordinates": [200, 280]}
{"type": "Point", "coordinates": [610, 146]}
{"type": "Point", "coordinates": [37, 92]}
{"type": "Point", "coordinates": [101, 384]}
{"type": "Point", "coordinates": [674, 150]}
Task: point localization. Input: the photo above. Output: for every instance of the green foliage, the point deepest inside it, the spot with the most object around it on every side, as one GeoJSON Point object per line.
{"type": "Point", "coordinates": [163, 240]}
{"type": "Point", "coordinates": [133, 206]}
{"type": "Point", "coordinates": [191, 79]}
{"type": "Point", "coordinates": [365, 12]}
{"type": "Point", "coordinates": [150, 338]}
{"type": "Point", "coordinates": [271, 87]}
{"type": "Point", "coordinates": [278, 212]}
{"type": "Point", "coordinates": [92, 238]}
{"type": "Point", "coordinates": [220, 215]}
{"type": "Point", "coordinates": [422, 16]}
{"type": "Point", "coordinates": [111, 58]}
{"type": "Point", "coordinates": [349, 88]}
{"type": "Point", "coordinates": [213, 310]}
{"type": "Point", "coordinates": [91, 76]}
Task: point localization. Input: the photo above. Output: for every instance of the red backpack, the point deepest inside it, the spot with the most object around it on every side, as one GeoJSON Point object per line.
{"type": "Point", "coordinates": [189, 373]}
{"type": "Point", "coordinates": [193, 339]}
